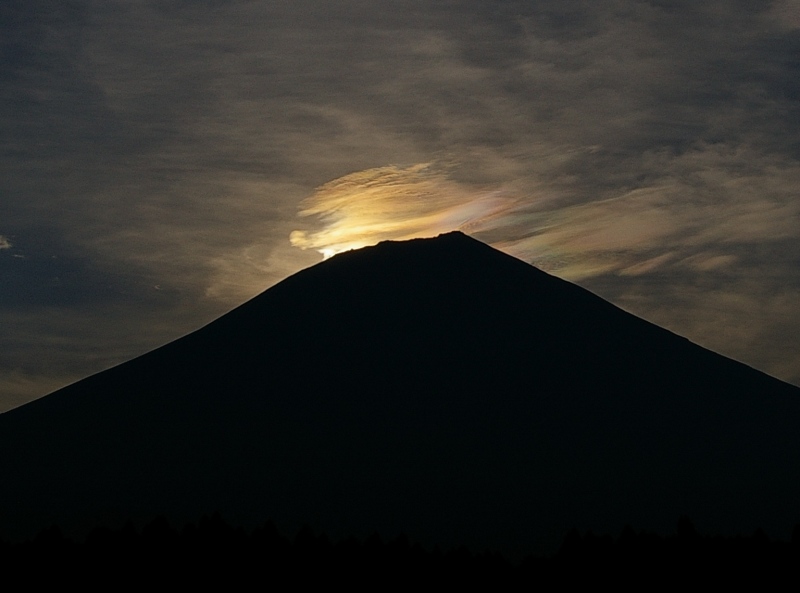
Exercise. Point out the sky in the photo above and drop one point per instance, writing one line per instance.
(164, 161)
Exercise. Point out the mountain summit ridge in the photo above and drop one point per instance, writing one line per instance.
(435, 387)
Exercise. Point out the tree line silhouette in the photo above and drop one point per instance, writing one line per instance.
(213, 553)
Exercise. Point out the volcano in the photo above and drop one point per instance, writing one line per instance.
(434, 387)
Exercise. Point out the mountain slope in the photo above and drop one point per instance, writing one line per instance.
(436, 387)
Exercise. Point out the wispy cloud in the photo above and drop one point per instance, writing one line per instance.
(707, 202)
(394, 203)
(785, 13)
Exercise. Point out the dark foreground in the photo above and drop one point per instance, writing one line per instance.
(212, 553)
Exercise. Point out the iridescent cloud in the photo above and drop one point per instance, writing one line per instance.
(637, 232)
(395, 203)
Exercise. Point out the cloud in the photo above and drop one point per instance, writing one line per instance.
(394, 203)
(19, 388)
(746, 314)
(596, 238)
(785, 13)
(708, 201)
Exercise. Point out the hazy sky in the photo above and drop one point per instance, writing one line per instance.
(163, 161)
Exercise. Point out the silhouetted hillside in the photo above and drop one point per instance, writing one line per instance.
(433, 387)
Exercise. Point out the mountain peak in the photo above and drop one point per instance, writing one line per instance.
(450, 241)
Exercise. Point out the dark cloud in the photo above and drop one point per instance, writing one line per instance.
(170, 143)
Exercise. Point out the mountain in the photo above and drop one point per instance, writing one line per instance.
(435, 387)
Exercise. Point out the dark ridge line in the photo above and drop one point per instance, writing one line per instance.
(213, 549)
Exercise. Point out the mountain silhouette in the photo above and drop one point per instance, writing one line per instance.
(435, 387)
